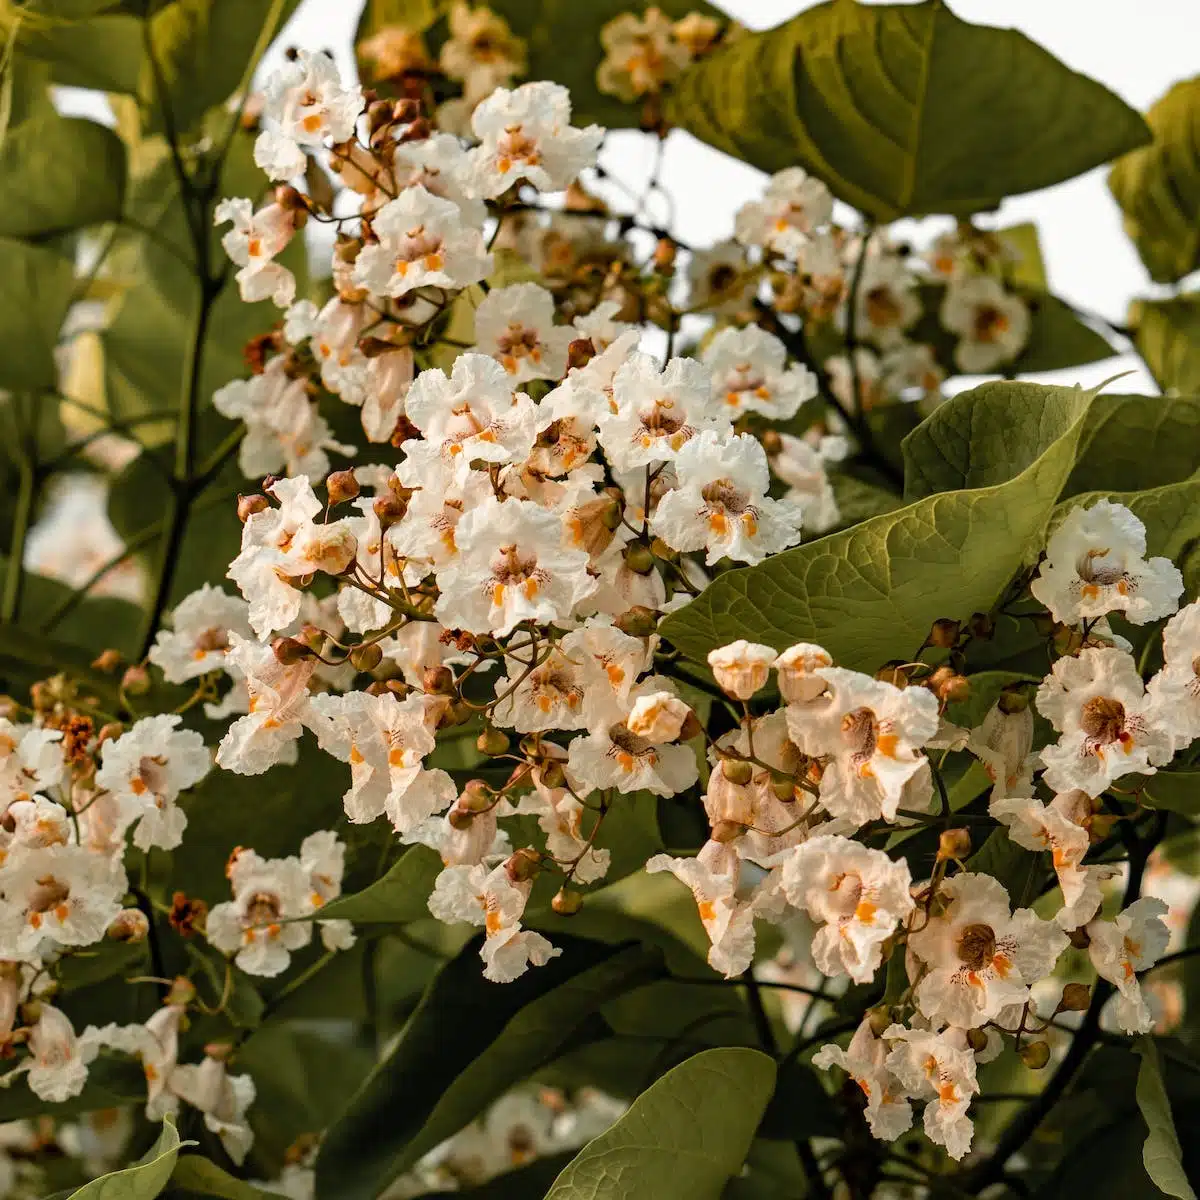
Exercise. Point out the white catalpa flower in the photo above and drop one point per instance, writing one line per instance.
(515, 325)
(908, 367)
(35, 823)
(720, 503)
(527, 134)
(1175, 691)
(615, 756)
(279, 708)
(482, 52)
(254, 926)
(857, 895)
(641, 55)
(1039, 827)
(253, 243)
(266, 564)
(1109, 727)
(1003, 743)
(992, 325)
(198, 640)
(796, 671)
(713, 878)
(511, 568)
(887, 299)
(284, 428)
(385, 741)
(888, 1111)
(742, 668)
(156, 1045)
(441, 166)
(222, 1098)
(978, 957)
(31, 760)
(868, 735)
(146, 769)
(560, 816)
(793, 206)
(749, 374)
(472, 414)
(803, 465)
(494, 900)
(304, 105)
(323, 860)
(656, 413)
(423, 242)
(931, 1067)
(57, 1066)
(1120, 948)
(57, 895)
(721, 281)
(857, 380)
(1096, 564)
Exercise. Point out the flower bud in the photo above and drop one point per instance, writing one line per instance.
(366, 657)
(726, 831)
(1035, 1055)
(1075, 998)
(981, 626)
(638, 621)
(660, 549)
(737, 771)
(135, 681)
(524, 865)
(188, 915)
(492, 742)
(341, 486)
(954, 845)
(247, 506)
(182, 991)
(109, 732)
(551, 775)
(565, 903)
(783, 789)
(289, 651)
(438, 681)
(580, 352)
(943, 633)
(771, 442)
(894, 673)
(658, 718)
(476, 796)
(878, 1018)
(129, 925)
(456, 712)
(460, 818)
(1080, 938)
(948, 685)
(405, 110)
(664, 255)
(639, 558)
(107, 661)
(977, 1039)
(390, 509)
(1012, 701)
(796, 668)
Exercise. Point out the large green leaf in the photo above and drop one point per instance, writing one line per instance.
(397, 897)
(904, 108)
(1162, 1154)
(145, 1179)
(986, 435)
(1175, 791)
(59, 173)
(870, 593)
(467, 1043)
(38, 283)
(103, 51)
(1158, 186)
(1167, 333)
(686, 1136)
(200, 1177)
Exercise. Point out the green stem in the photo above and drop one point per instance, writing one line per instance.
(27, 486)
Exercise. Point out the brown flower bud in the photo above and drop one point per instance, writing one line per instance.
(1035, 1055)
(948, 685)
(977, 1040)
(954, 845)
(580, 352)
(552, 775)
(109, 732)
(129, 925)
(737, 771)
(981, 626)
(943, 633)
(638, 621)
(524, 865)
(291, 200)
(341, 486)
(565, 903)
(1080, 938)
(247, 506)
(416, 130)
(639, 558)
(771, 442)
(492, 742)
(312, 636)
(726, 831)
(135, 681)
(288, 651)
(664, 255)
(1012, 701)
(438, 681)
(378, 688)
(459, 816)
(366, 658)
(893, 673)
(107, 661)
(1076, 997)
(389, 509)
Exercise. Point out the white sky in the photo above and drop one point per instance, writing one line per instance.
(1137, 50)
